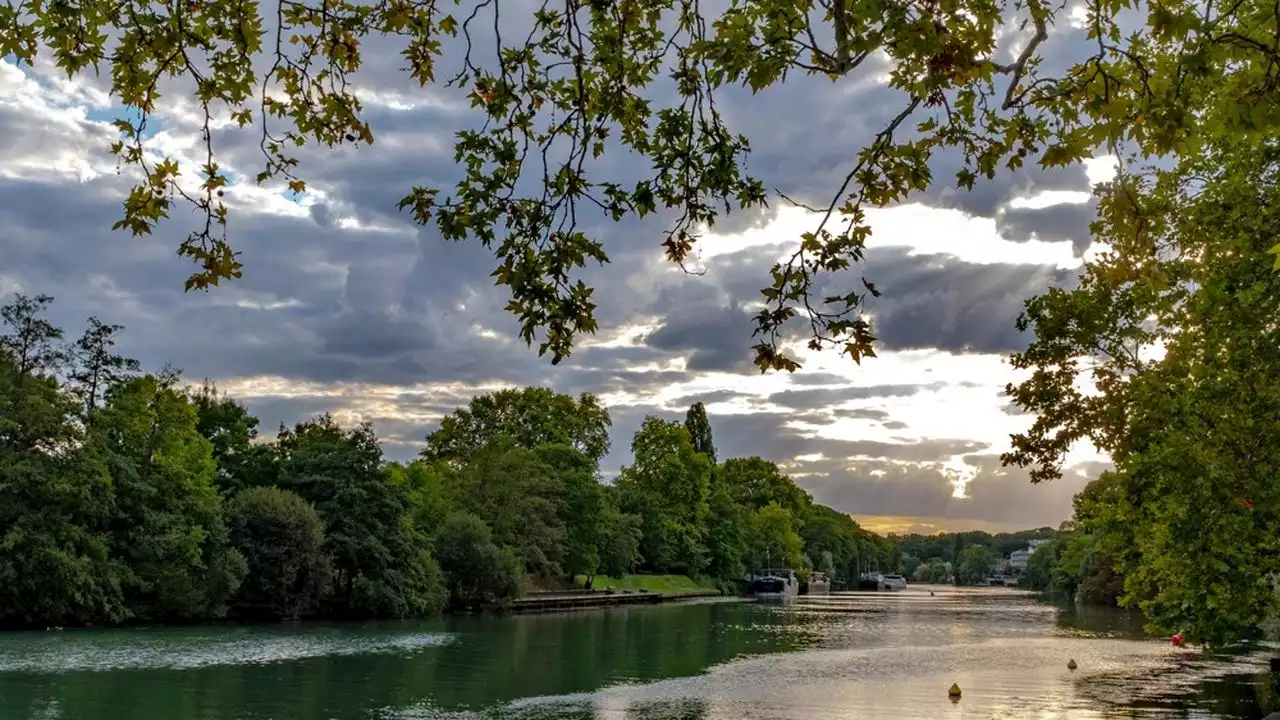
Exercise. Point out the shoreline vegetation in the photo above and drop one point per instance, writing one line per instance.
(129, 498)
(133, 498)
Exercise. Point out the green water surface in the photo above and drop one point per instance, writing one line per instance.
(859, 655)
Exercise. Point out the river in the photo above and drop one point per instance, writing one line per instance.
(860, 655)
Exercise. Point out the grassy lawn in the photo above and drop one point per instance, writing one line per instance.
(651, 583)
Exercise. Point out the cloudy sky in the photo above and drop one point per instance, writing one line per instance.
(347, 306)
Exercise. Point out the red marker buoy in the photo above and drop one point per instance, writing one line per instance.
(1177, 639)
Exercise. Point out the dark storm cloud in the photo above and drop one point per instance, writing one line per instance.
(877, 488)
(414, 147)
(1010, 408)
(1006, 494)
(768, 436)
(715, 339)
(927, 301)
(596, 357)
(989, 195)
(826, 397)
(617, 380)
(941, 302)
(1067, 222)
(314, 305)
(272, 411)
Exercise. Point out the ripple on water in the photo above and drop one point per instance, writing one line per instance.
(96, 651)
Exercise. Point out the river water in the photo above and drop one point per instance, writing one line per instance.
(858, 655)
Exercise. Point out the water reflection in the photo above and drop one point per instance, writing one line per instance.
(895, 655)
(842, 656)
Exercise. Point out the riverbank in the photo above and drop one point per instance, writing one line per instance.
(670, 584)
(608, 591)
(583, 599)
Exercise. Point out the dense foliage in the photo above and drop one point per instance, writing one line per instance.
(945, 546)
(973, 565)
(1170, 362)
(934, 571)
(126, 498)
(964, 558)
(282, 539)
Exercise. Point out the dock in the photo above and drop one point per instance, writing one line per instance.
(559, 601)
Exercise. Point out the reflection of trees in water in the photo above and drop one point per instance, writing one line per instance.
(1102, 620)
(1265, 687)
(1183, 690)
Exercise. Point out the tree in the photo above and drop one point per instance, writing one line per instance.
(933, 572)
(668, 486)
(95, 367)
(232, 432)
(427, 486)
(774, 540)
(620, 536)
(520, 498)
(282, 540)
(909, 565)
(32, 341)
(56, 564)
(974, 566)
(727, 529)
(829, 533)
(957, 549)
(755, 482)
(380, 562)
(530, 417)
(477, 573)
(168, 525)
(582, 507)
(1138, 90)
(699, 427)
(1180, 348)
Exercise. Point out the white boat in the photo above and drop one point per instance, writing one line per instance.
(775, 584)
(891, 582)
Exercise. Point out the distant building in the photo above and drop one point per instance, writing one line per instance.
(1018, 559)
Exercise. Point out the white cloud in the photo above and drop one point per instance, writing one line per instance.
(925, 230)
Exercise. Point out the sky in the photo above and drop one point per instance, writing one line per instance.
(347, 306)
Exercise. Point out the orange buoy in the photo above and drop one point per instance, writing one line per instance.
(1177, 639)
(954, 691)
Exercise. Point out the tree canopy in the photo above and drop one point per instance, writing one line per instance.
(530, 417)
(561, 90)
